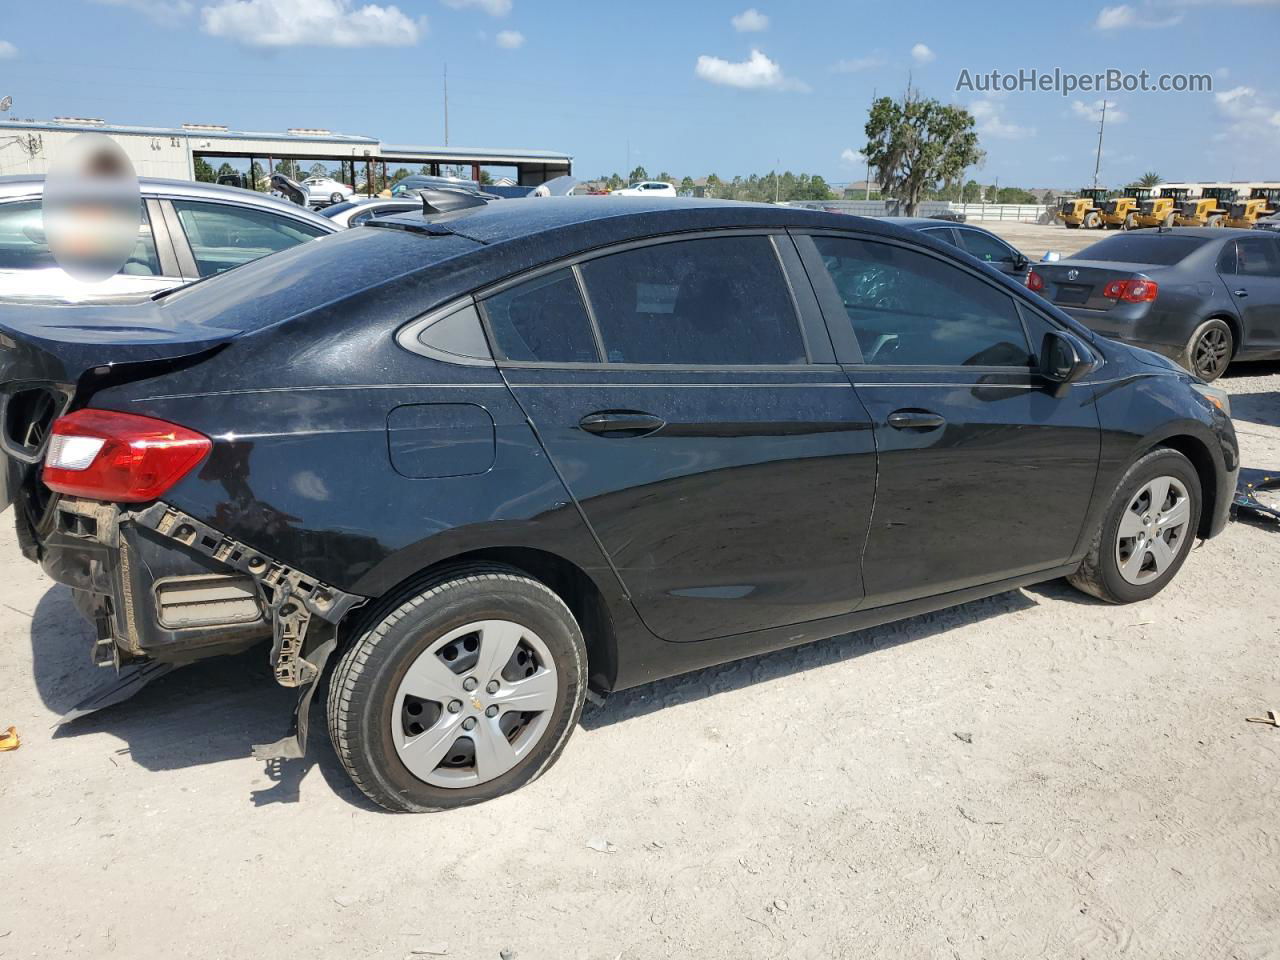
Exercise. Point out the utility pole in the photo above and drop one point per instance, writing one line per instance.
(446, 104)
(1097, 163)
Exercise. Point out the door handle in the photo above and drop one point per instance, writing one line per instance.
(628, 423)
(915, 420)
(1242, 292)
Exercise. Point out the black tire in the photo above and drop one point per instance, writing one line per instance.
(1099, 574)
(335, 197)
(1209, 350)
(364, 685)
(1072, 226)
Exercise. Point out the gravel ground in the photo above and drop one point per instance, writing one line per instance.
(1032, 775)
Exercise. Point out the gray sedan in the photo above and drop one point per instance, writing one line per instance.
(187, 230)
(975, 241)
(1199, 295)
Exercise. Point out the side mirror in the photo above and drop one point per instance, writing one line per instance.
(1063, 360)
(1020, 262)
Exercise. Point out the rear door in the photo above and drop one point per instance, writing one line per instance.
(983, 474)
(1255, 290)
(687, 393)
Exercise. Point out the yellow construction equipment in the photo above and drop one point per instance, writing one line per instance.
(1262, 202)
(1210, 209)
(1121, 213)
(1084, 209)
(1160, 209)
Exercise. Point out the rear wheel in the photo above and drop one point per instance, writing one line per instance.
(335, 197)
(466, 691)
(1209, 350)
(1146, 532)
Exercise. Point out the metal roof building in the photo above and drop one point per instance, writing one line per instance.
(28, 146)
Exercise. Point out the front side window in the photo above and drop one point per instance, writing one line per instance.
(543, 321)
(23, 245)
(713, 301)
(223, 236)
(985, 248)
(911, 308)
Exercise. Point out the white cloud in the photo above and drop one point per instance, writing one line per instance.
(7, 50)
(858, 64)
(162, 11)
(991, 122)
(310, 23)
(1117, 18)
(510, 39)
(757, 72)
(1093, 111)
(852, 158)
(922, 54)
(750, 21)
(495, 8)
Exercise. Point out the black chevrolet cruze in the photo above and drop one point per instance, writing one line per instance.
(482, 463)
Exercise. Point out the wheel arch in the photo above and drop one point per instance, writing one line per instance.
(1197, 451)
(570, 582)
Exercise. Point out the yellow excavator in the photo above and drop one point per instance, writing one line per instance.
(1121, 213)
(1262, 202)
(1160, 209)
(1084, 209)
(1210, 209)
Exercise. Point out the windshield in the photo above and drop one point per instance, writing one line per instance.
(1155, 248)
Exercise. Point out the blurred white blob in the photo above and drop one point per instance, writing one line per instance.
(91, 207)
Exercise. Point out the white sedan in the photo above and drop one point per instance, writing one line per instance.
(646, 188)
(326, 190)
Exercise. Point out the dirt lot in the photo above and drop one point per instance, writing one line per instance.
(1034, 239)
(1033, 775)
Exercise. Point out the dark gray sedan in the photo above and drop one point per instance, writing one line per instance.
(975, 241)
(1199, 295)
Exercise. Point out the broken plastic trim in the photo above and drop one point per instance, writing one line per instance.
(1250, 482)
(293, 599)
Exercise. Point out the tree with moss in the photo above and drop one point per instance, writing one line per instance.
(914, 144)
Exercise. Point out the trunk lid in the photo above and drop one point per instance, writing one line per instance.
(1079, 283)
(53, 357)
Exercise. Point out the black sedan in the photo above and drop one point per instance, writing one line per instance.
(973, 240)
(1202, 296)
(491, 460)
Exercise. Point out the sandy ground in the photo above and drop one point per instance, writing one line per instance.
(1033, 239)
(1033, 775)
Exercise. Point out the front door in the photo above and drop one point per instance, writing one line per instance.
(984, 474)
(687, 394)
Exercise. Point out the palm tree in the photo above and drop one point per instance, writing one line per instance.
(1150, 179)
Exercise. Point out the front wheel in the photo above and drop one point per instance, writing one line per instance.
(1092, 221)
(466, 691)
(1209, 350)
(1146, 532)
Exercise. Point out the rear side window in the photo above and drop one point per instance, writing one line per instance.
(1157, 249)
(543, 321)
(985, 248)
(910, 308)
(713, 301)
(1257, 257)
(223, 236)
(23, 245)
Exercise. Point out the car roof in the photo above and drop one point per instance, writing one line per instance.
(919, 223)
(26, 185)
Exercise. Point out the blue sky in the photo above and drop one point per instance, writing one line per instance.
(692, 88)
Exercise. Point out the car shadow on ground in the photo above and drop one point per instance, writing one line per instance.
(691, 687)
(206, 712)
(216, 709)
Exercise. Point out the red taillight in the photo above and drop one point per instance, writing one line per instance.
(119, 457)
(1132, 289)
(1035, 282)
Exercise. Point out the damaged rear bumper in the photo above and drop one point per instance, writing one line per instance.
(161, 585)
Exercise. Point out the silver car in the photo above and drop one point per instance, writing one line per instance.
(188, 230)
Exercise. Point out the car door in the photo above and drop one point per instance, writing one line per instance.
(1254, 283)
(687, 393)
(984, 474)
(993, 250)
(220, 236)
